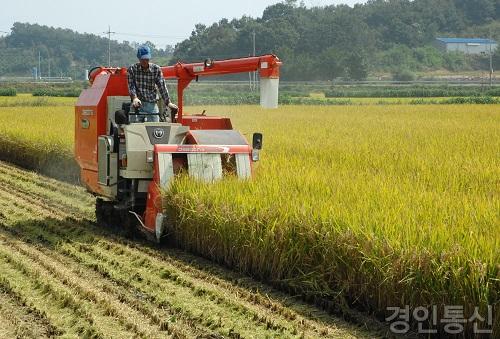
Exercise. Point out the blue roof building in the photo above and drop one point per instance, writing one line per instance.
(466, 45)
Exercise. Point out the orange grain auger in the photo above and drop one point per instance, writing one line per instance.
(125, 163)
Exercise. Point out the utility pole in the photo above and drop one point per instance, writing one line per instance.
(491, 62)
(254, 73)
(49, 67)
(39, 66)
(109, 44)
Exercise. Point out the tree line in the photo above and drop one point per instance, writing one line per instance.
(318, 43)
(63, 51)
(341, 41)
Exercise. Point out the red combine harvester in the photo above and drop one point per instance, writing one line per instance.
(125, 163)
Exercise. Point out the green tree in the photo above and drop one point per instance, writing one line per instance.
(356, 67)
(478, 11)
(455, 61)
(317, 43)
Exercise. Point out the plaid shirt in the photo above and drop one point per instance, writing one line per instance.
(143, 83)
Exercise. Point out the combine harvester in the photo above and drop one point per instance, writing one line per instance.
(125, 163)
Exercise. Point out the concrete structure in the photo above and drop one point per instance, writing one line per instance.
(466, 45)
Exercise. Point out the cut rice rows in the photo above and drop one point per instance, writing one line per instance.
(62, 276)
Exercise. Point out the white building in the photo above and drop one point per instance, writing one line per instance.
(466, 45)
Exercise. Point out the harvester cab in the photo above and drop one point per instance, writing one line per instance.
(125, 160)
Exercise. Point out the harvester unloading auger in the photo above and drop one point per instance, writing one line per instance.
(126, 163)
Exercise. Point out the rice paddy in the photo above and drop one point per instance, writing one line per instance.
(363, 207)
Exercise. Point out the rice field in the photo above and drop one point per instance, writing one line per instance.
(39, 138)
(375, 207)
(27, 100)
(363, 207)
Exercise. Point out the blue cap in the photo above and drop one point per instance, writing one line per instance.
(143, 52)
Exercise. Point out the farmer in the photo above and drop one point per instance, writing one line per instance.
(145, 79)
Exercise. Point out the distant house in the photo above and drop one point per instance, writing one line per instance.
(466, 45)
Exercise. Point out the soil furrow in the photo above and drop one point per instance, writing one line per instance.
(157, 313)
(227, 295)
(53, 199)
(102, 321)
(112, 307)
(211, 308)
(19, 320)
(61, 308)
(47, 183)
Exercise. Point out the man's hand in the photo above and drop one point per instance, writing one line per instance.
(136, 102)
(173, 106)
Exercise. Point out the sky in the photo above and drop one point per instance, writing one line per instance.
(162, 22)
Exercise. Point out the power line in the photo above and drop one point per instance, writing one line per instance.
(146, 36)
(39, 65)
(153, 36)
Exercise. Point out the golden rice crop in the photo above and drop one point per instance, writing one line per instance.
(382, 206)
(375, 205)
(39, 138)
(29, 100)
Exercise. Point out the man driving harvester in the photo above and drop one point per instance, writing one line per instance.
(144, 79)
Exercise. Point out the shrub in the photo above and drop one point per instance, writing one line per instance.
(8, 92)
(404, 75)
(51, 92)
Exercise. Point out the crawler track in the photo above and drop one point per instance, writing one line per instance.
(63, 276)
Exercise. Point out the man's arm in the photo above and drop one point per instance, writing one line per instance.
(162, 86)
(132, 90)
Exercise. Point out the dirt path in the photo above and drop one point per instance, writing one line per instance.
(63, 276)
